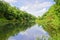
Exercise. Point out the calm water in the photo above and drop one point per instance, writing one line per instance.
(33, 33)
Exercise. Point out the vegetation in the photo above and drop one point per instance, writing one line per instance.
(13, 20)
(51, 21)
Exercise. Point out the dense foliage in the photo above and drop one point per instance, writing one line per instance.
(13, 13)
(13, 20)
(51, 21)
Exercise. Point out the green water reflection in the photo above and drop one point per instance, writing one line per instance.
(10, 29)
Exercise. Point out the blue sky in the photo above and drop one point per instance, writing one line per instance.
(34, 7)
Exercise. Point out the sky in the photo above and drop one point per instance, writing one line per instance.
(34, 7)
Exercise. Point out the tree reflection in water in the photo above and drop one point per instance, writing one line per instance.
(10, 29)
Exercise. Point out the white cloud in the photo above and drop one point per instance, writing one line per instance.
(41, 12)
(10, 1)
(36, 8)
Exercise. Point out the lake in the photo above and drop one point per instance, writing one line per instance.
(23, 31)
(35, 32)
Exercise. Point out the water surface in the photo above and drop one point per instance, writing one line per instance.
(33, 33)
